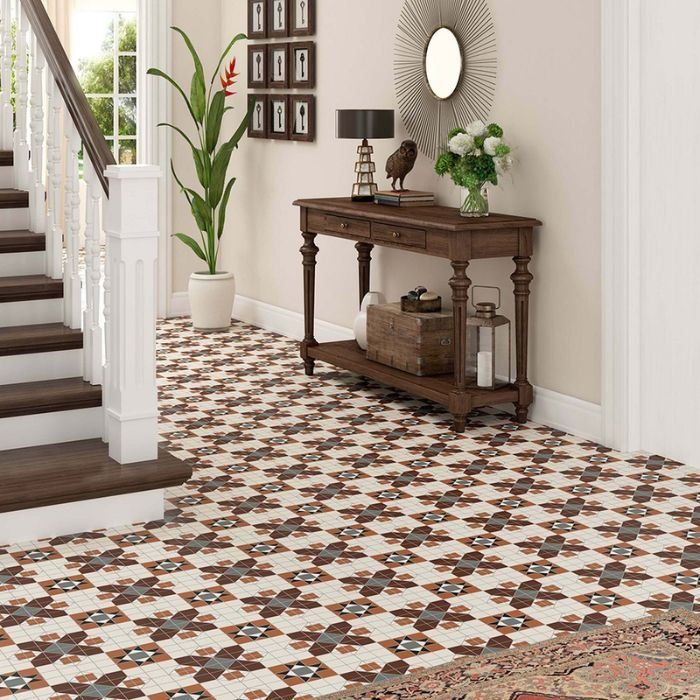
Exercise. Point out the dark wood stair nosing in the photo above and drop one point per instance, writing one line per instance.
(13, 199)
(7, 159)
(32, 340)
(29, 288)
(22, 242)
(37, 477)
(51, 396)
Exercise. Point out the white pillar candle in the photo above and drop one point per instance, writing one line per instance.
(485, 370)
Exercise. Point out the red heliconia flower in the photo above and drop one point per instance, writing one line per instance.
(228, 79)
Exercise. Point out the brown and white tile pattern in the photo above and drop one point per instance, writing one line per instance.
(337, 532)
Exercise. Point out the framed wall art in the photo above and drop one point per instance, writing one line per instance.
(257, 67)
(303, 18)
(278, 117)
(257, 128)
(303, 116)
(303, 65)
(257, 19)
(278, 66)
(278, 18)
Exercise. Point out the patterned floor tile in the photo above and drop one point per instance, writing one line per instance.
(336, 532)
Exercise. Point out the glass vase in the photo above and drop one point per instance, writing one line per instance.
(476, 201)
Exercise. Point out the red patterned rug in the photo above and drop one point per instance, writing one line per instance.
(655, 658)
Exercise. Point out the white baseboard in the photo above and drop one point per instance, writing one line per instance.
(25, 526)
(572, 415)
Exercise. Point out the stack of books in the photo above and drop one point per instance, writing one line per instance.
(409, 198)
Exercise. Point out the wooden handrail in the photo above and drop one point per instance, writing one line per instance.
(94, 143)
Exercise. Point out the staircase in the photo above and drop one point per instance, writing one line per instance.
(78, 402)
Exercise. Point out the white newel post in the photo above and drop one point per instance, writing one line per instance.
(6, 116)
(131, 227)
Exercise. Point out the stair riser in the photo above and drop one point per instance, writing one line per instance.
(30, 313)
(51, 428)
(16, 369)
(14, 219)
(7, 177)
(18, 264)
(26, 526)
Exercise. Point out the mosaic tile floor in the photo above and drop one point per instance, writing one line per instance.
(336, 532)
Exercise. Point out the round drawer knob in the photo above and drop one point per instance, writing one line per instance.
(343, 226)
(395, 234)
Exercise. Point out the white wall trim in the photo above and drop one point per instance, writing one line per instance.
(559, 411)
(155, 147)
(621, 235)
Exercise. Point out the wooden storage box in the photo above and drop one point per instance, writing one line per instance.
(420, 344)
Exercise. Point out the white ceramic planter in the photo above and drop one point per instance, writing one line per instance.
(211, 300)
(360, 326)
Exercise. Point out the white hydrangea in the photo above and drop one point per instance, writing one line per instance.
(461, 144)
(476, 129)
(503, 164)
(491, 144)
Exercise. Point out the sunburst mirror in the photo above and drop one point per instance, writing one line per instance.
(445, 67)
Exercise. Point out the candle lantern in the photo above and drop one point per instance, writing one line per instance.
(493, 338)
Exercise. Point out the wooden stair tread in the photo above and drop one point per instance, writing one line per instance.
(29, 288)
(13, 199)
(21, 242)
(48, 337)
(35, 477)
(6, 158)
(48, 397)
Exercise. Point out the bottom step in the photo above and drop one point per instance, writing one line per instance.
(79, 471)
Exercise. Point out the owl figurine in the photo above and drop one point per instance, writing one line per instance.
(401, 163)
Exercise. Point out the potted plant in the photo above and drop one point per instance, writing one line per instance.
(474, 157)
(212, 292)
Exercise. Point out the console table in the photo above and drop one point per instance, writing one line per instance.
(440, 232)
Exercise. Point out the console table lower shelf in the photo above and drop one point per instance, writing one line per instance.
(347, 355)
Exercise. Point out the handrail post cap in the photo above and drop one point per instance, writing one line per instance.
(133, 172)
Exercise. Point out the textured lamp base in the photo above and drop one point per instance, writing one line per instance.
(364, 188)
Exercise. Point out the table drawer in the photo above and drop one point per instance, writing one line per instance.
(338, 224)
(401, 235)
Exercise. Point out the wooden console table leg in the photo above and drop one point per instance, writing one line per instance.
(460, 402)
(522, 278)
(309, 252)
(364, 258)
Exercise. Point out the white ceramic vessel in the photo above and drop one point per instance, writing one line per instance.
(360, 325)
(211, 300)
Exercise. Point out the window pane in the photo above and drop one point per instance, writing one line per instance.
(127, 116)
(127, 75)
(127, 152)
(127, 32)
(94, 50)
(103, 109)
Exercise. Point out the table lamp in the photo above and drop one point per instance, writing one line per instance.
(365, 124)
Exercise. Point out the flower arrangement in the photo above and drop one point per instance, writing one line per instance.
(474, 157)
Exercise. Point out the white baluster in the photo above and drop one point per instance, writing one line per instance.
(131, 225)
(21, 136)
(71, 274)
(54, 229)
(37, 194)
(92, 333)
(6, 115)
(107, 313)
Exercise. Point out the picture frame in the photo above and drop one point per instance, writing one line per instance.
(258, 126)
(257, 19)
(302, 65)
(302, 17)
(257, 66)
(278, 117)
(278, 66)
(303, 118)
(277, 18)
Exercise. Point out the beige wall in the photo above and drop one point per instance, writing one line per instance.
(548, 100)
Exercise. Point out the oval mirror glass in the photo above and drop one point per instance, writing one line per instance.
(443, 63)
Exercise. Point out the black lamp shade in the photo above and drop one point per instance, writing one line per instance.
(365, 124)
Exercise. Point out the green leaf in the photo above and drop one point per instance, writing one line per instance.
(218, 175)
(224, 206)
(198, 98)
(200, 166)
(191, 243)
(160, 74)
(179, 182)
(234, 41)
(201, 212)
(216, 115)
